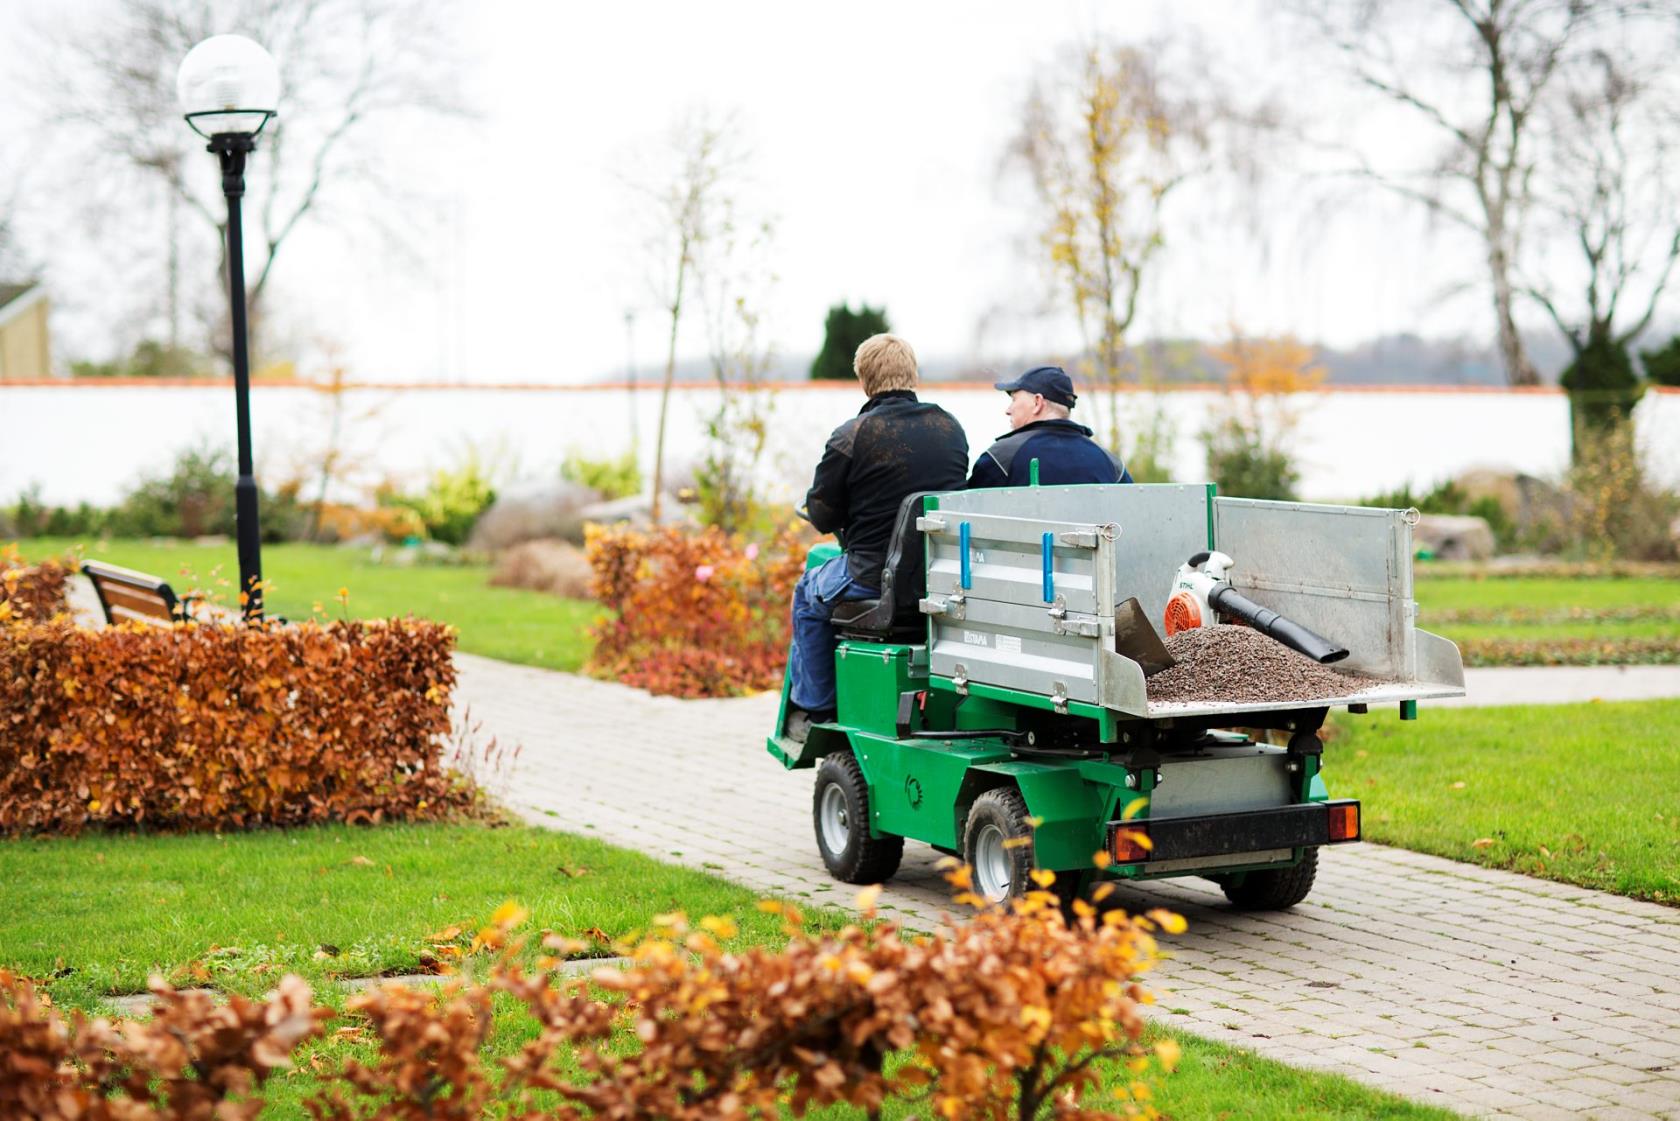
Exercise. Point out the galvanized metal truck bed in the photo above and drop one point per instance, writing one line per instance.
(1023, 584)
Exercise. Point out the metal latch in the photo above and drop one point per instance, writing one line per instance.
(1059, 624)
(931, 525)
(1077, 539)
(959, 679)
(1059, 696)
(952, 606)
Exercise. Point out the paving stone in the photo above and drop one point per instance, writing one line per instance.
(1473, 962)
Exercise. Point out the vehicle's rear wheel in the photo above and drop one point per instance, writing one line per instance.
(1275, 889)
(997, 818)
(840, 813)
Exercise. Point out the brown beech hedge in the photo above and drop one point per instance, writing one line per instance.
(210, 727)
(1009, 1016)
(31, 592)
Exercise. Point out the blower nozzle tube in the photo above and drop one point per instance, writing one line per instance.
(1268, 622)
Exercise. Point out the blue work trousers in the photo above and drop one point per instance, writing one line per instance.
(811, 659)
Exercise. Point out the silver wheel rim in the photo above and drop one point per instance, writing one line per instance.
(832, 818)
(992, 871)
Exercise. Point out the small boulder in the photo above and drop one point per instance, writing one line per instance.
(549, 565)
(530, 513)
(1454, 536)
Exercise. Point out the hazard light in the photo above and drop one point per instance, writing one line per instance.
(1130, 843)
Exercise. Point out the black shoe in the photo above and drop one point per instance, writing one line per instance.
(799, 722)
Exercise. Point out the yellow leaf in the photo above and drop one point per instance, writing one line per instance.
(719, 926)
(1017, 842)
(93, 806)
(1035, 1015)
(770, 906)
(1043, 877)
(1483, 842)
(1171, 922)
(961, 877)
(509, 914)
(1458, 786)
(1169, 1052)
(1133, 808)
(867, 898)
(1101, 859)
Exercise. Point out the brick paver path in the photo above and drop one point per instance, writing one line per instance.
(1482, 991)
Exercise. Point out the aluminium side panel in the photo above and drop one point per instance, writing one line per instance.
(1157, 528)
(1342, 571)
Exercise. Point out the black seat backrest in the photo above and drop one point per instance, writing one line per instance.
(903, 582)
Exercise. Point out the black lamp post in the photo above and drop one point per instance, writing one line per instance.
(228, 86)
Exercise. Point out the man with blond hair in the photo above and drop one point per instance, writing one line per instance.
(896, 445)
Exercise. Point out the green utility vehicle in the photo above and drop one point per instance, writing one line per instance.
(986, 706)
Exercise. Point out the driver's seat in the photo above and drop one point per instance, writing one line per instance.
(894, 616)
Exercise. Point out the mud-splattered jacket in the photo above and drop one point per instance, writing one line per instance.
(895, 445)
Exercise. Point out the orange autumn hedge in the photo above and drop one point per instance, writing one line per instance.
(694, 613)
(31, 592)
(210, 727)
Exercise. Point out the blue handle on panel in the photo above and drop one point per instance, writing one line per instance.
(967, 564)
(1049, 568)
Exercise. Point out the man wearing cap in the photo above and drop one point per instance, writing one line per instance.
(1039, 403)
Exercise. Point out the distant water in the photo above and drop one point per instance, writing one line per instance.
(89, 442)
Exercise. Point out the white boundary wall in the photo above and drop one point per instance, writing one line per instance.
(89, 441)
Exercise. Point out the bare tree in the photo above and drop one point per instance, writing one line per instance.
(1611, 198)
(690, 205)
(1608, 207)
(1477, 74)
(1104, 148)
(733, 294)
(350, 69)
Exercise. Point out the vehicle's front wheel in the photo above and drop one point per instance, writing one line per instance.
(993, 845)
(1276, 889)
(840, 812)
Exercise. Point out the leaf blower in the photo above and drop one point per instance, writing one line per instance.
(1200, 590)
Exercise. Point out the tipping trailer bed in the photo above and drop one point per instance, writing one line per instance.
(1026, 604)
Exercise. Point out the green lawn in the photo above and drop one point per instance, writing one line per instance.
(1584, 794)
(242, 907)
(507, 623)
(1588, 620)
(93, 916)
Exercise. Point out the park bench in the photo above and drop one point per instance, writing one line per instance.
(127, 595)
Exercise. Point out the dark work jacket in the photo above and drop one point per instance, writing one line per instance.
(894, 446)
(1065, 453)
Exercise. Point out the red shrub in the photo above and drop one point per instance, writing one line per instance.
(696, 613)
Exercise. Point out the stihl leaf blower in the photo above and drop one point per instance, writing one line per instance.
(1200, 590)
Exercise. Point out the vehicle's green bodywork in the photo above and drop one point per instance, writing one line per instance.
(922, 788)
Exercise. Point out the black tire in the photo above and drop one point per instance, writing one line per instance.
(1277, 889)
(1000, 873)
(851, 855)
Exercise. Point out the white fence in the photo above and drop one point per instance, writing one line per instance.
(89, 441)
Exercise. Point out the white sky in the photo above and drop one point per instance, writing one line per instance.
(877, 131)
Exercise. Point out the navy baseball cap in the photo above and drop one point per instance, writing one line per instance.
(1050, 382)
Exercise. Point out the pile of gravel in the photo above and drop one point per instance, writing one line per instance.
(1239, 665)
